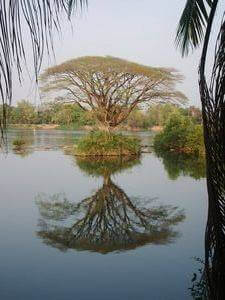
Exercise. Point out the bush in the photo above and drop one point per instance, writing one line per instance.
(195, 141)
(107, 144)
(180, 134)
(19, 143)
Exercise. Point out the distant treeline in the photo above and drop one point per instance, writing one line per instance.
(72, 116)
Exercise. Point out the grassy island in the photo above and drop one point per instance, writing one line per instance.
(100, 143)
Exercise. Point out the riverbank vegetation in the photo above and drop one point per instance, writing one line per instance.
(182, 130)
(180, 134)
(71, 116)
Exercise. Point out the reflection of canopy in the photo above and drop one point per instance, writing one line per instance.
(23, 152)
(107, 166)
(180, 164)
(106, 221)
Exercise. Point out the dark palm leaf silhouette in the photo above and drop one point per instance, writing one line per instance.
(20, 19)
(192, 25)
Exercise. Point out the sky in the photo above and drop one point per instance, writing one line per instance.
(142, 31)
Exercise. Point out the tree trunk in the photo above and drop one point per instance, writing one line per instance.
(106, 128)
(213, 112)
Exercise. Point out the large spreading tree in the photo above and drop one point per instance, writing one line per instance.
(111, 87)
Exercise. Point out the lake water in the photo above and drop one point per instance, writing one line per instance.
(74, 229)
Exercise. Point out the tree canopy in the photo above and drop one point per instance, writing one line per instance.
(111, 87)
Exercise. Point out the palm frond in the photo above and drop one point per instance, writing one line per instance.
(19, 19)
(73, 5)
(191, 27)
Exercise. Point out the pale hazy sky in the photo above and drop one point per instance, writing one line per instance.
(142, 31)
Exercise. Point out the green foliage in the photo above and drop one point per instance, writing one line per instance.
(191, 27)
(23, 113)
(180, 134)
(158, 115)
(68, 114)
(138, 119)
(195, 140)
(71, 116)
(22, 143)
(199, 289)
(19, 142)
(174, 134)
(100, 143)
(65, 115)
(177, 164)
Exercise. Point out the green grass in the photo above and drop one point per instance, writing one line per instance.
(100, 143)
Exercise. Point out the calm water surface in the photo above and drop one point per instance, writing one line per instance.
(73, 229)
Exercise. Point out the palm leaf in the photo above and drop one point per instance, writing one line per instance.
(18, 20)
(191, 27)
(73, 4)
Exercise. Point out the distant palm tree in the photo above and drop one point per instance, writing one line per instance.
(22, 21)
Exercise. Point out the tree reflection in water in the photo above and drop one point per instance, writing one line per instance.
(180, 164)
(24, 152)
(108, 220)
(208, 284)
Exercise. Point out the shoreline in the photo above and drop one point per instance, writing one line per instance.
(83, 128)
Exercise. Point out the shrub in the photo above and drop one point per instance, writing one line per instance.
(195, 141)
(19, 143)
(100, 143)
(180, 134)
